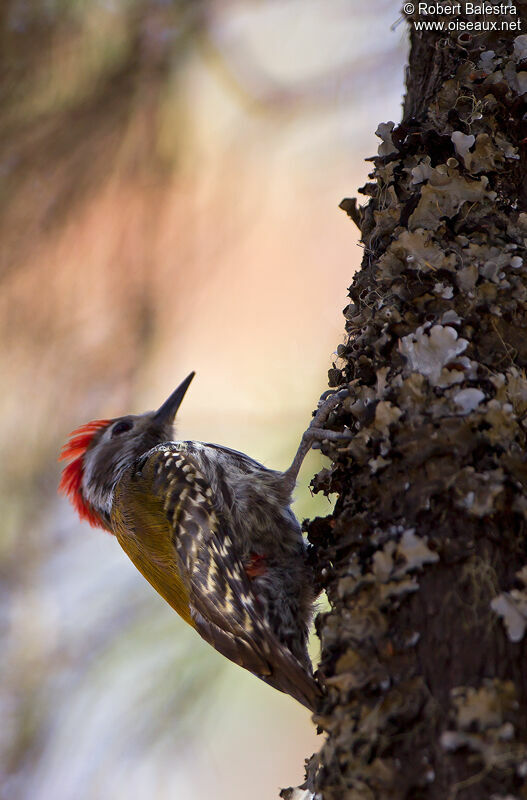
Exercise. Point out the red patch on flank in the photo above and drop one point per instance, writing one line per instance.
(71, 480)
(256, 566)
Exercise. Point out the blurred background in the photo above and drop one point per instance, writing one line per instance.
(170, 174)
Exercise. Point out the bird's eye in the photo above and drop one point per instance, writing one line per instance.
(122, 426)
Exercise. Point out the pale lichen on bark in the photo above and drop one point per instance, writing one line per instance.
(424, 554)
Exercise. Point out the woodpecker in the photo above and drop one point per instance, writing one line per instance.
(212, 531)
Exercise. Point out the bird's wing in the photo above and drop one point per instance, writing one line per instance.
(180, 540)
(242, 460)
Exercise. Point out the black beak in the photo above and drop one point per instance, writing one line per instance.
(168, 410)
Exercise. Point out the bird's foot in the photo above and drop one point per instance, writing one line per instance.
(316, 433)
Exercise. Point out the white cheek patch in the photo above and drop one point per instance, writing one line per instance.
(98, 487)
(96, 493)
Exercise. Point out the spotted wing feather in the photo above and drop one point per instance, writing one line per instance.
(223, 606)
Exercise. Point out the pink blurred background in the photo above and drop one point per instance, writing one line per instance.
(171, 174)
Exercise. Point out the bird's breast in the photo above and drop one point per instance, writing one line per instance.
(144, 533)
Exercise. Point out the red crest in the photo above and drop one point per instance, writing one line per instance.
(71, 480)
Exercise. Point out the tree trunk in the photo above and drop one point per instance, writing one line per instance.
(424, 558)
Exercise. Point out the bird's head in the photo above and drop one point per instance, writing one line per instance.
(101, 450)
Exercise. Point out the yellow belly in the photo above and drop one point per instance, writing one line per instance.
(144, 533)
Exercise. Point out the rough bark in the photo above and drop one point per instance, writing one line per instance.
(424, 558)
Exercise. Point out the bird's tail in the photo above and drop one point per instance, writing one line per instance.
(290, 676)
